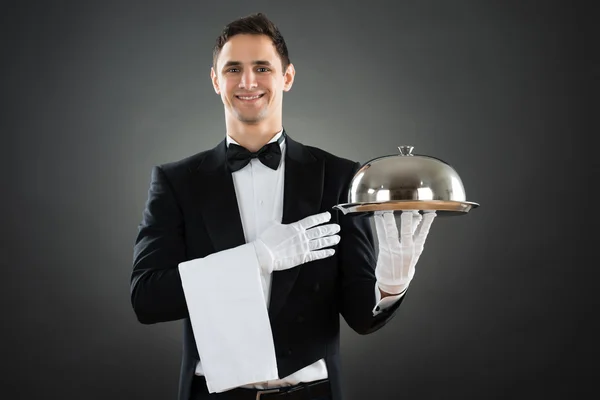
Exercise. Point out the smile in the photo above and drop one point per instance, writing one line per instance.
(249, 98)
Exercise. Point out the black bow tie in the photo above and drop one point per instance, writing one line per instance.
(270, 155)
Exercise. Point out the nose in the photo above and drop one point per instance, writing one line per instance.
(248, 80)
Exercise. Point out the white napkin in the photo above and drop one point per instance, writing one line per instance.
(229, 318)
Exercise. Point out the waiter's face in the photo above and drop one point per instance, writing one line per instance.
(250, 79)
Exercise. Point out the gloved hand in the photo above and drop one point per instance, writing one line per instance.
(398, 255)
(284, 246)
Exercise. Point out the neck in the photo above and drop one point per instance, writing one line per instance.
(255, 136)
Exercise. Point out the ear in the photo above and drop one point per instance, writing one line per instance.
(215, 80)
(288, 78)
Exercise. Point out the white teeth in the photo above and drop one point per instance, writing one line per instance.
(249, 97)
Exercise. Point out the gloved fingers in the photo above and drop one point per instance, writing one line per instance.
(318, 255)
(313, 220)
(417, 218)
(391, 229)
(406, 228)
(324, 242)
(383, 212)
(379, 226)
(323, 230)
(424, 228)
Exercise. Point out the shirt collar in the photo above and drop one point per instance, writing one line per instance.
(273, 139)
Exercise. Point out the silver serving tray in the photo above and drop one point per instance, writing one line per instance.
(441, 207)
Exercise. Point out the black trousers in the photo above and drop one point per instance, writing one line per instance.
(200, 392)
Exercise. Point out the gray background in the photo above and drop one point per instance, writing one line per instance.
(96, 93)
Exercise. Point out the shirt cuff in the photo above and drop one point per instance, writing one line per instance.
(382, 304)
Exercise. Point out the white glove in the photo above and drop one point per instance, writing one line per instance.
(398, 255)
(284, 246)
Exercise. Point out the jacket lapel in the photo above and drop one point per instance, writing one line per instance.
(220, 210)
(302, 193)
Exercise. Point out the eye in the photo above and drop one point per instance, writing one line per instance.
(232, 70)
(263, 69)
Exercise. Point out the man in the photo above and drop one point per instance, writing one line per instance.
(242, 244)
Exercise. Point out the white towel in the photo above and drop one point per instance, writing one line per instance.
(229, 318)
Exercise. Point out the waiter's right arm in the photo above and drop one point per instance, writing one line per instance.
(156, 291)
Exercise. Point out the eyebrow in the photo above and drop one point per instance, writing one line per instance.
(238, 63)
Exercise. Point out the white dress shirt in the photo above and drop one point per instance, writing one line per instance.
(259, 192)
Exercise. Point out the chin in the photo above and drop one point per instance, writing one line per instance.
(250, 119)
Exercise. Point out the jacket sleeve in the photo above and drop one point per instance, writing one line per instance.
(156, 291)
(357, 258)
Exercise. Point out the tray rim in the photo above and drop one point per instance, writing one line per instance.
(436, 205)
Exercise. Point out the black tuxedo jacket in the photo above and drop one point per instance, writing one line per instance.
(192, 212)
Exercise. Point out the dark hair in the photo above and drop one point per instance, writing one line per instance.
(254, 24)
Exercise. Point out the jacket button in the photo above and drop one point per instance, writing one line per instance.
(316, 287)
(289, 352)
(300, 319)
